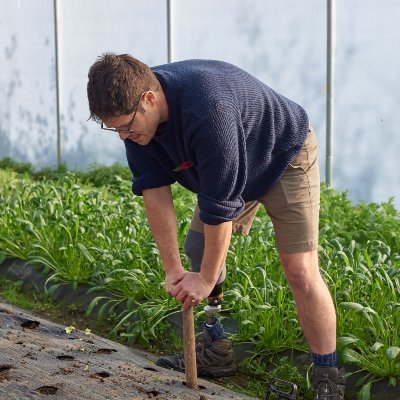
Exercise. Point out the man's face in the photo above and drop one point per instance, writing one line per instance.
(139, 126)
(141, 130)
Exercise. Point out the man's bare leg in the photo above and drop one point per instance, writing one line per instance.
(314, 303)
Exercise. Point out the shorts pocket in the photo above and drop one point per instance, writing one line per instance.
(308, 156)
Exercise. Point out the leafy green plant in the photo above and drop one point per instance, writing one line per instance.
(375, 348)
(20, 167)
(100, 236)
(361, 222)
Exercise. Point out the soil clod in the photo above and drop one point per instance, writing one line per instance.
(105, 351)
(65, 357)
(150, 369)
(29, 324)
(4, 369)
(49, 390)
(101, 375)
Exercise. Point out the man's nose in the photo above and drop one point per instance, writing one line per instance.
(123, 135)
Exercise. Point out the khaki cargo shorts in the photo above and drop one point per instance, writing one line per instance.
(292, 204)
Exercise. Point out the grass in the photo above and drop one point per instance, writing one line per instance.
(13, 293)
(42, 305)
(98, 234)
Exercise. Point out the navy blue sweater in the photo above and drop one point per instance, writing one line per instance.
(235, 135)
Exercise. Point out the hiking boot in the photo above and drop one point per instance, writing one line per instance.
(214, 359)
(328, 383)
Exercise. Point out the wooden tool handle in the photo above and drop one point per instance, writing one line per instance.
(189, 349)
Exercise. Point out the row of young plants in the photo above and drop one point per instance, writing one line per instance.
(98, 235)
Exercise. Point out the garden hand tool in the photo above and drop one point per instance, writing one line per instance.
(189, 349)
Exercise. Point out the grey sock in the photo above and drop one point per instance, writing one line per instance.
(194, 249)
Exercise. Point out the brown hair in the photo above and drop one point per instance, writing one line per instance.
(115, 85)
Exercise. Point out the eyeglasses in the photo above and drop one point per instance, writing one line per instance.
(128, 128)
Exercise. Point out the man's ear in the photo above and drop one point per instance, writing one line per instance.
(149, 97)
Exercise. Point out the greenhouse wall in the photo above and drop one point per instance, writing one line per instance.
(282, 42)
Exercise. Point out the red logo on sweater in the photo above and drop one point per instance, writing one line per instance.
(183, 166)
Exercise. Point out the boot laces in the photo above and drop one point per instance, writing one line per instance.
(327, 388)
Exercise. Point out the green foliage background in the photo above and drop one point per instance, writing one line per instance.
(87, 227)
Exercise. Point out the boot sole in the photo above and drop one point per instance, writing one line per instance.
(216, 372)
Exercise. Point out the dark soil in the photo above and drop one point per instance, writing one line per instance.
(39, 358)
(72, 313)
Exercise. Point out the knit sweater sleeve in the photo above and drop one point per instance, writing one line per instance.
(146, 172)
(220, 152)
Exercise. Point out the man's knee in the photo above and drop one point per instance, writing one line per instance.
(301, 269)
